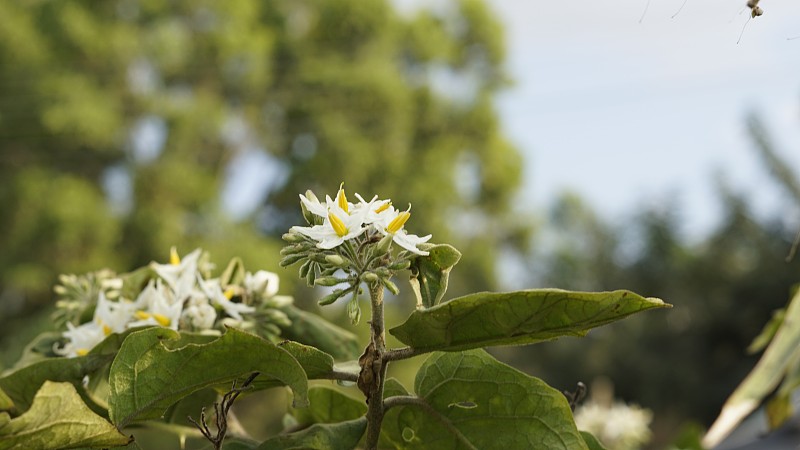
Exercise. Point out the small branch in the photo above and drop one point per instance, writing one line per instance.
(221, 410)
(408, 400)
(397, 354)
(340, 375)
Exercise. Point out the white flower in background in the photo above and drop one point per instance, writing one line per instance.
(179, 274)
(154, 307)
(391, 222)
(113, 317)
(618, 426)
(261, 284)
(81, 339)
(223, 299)
(198, 314)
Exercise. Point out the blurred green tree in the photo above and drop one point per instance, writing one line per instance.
(129, 126)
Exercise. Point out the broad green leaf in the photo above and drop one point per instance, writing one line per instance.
(21, 386)
(392, 387)
(781, 354)
(430, 273)
(58, 418)
(481, 403)
(311, 329)
(591, 441)
(515, 318)
(147, 377)
(39, 349)
(327, 405)
(763, 339)
(336, 436)
(190, 405)
(316, 363)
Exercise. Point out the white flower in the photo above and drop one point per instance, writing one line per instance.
(314, 206)
(338, 227)
(392, 221)
(155, 308)
(618, 425)
(373, 210)
(199, 316)
(262, 284)
(214, 292)
(179, 274)
(113, 317)
(81, 339)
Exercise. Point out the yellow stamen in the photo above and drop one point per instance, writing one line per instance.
(341, 199)
(81, 351)
(163, 320)
(397, 223)
(228, 293)
(174, 259)
(141, 315)
(383, 207)
(106, 329)
(337, 224)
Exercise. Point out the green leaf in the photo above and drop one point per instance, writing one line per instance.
(6, 404)
(311, 329)
(392, 387)
(781, 354)
(337, 436)
(430, 274)
(503, 408)
(21, 386)
(591, 441)
(328, 405)
(147, 377)
(316, 363)
(58, 418)
(39, 349)
(514, 318)
(763, 339)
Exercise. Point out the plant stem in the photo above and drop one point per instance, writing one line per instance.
(374, 370)
(396, 354)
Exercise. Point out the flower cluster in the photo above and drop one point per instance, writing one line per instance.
(617, 425)
(178, 295)
(354, 238)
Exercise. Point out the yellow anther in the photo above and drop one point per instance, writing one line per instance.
(106, 329)
(162, 319)
(174, 259)
(337, 224)
(81, 351)
(141, 315)
(397, 223)
(228, 293)
(383, 207)
(341, 199)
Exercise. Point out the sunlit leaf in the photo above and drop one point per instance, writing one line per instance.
(58, 418)
(514, 318)
(430, 273)
(336, 436)
(147, 377)
(507, 409)
(316, 363)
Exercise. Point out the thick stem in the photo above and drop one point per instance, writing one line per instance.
(374, 354)
(396, 354)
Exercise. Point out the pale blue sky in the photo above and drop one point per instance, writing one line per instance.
(628, 113)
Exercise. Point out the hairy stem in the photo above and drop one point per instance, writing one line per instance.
(375, 367)
(408, 400)
(396, 354)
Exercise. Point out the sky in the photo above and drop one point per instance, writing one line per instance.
(629, 106)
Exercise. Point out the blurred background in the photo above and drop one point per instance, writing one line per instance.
(578, 144)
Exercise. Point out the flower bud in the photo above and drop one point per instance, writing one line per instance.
(294, 248)
(401, 265)
(308, 215)
(354, 311)
(383, 245)
(332, 297)
(370, 277)
(391, 286)
(291, 259)
(328, 281)
(292, 237)
(337, 260)
(383, 272)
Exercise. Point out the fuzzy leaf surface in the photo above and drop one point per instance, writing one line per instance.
(147, 376)
(58, 418)
(515, 318)
(482, 404)
(334, 436)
